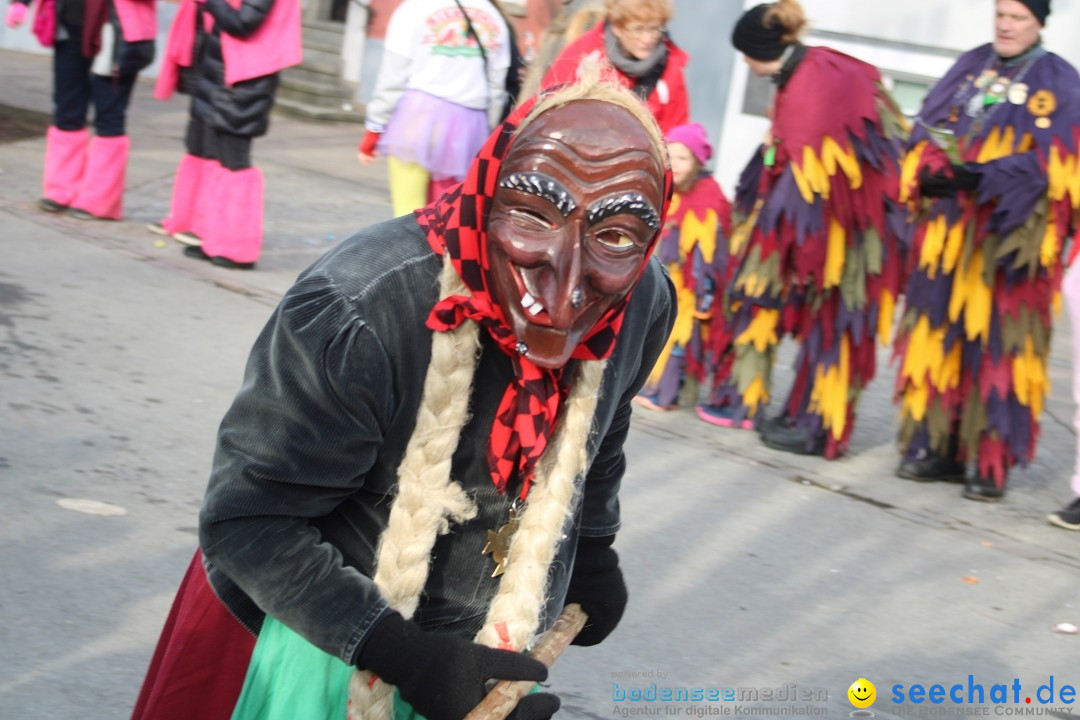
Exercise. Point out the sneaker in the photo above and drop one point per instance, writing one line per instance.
(1069, 518)
(649, 402)
(187, 238)
(184, 238)
(724, 416)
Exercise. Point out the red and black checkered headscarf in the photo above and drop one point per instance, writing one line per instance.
(456, 223)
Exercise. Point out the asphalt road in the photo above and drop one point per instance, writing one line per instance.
(748, 569)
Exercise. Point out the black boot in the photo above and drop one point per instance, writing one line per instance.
(983, 489)
(773, 422)
(792, 438)
(933, 467)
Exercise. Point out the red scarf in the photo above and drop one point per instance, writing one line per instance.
(456, 223)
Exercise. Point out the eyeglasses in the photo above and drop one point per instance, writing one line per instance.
(644, 30)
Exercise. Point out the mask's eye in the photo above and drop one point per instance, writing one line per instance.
(614, 239)
(528, 217)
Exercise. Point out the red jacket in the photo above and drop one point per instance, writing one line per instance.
(669, 102)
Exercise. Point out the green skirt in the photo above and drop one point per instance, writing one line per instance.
(291, 679)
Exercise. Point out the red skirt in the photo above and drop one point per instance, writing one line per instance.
(201, 660)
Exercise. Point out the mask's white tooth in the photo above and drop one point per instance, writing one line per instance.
(527, 282)
(536, 309)
(527, 300)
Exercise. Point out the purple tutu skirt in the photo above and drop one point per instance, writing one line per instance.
(436, 134)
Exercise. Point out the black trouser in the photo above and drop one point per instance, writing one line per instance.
(232, 151)
(75, 88)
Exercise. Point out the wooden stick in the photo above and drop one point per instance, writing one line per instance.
(504, 697)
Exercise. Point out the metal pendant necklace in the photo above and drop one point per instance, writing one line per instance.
(498, 541)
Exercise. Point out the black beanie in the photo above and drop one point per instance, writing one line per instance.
(1039, 8)
(753, 39)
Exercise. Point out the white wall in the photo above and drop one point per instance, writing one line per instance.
(953, 24)
(909, 37)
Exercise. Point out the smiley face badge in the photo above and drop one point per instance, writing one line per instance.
(862, 695)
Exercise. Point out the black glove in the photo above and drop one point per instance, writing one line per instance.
(597, 585)
(443, 676)
(939, 184)
(945, 183)
(965, 178)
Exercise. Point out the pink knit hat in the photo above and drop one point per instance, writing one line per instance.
(693, 136)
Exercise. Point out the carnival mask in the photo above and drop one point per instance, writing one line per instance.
(572, 221)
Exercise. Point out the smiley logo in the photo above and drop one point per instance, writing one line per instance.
(862, 693)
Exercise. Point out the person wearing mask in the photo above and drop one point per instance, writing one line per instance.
(991, 173)
(99, 47)
(820, 238)
(227, 55)
(634, 40)
(694, 249)
(422, 465)
(441, 87)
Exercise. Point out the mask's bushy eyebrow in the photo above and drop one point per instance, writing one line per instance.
(632, 202)
(542, 186)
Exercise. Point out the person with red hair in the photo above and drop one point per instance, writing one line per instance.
(634, 40)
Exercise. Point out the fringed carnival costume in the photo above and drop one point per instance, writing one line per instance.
(818, 234)
(986, 263)
(694, 248)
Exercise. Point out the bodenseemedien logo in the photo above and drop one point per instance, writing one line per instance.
(862, 695)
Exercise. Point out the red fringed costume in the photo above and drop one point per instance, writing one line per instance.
(820, 239)
(694, 248)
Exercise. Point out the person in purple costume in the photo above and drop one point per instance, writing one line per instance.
(991, 175)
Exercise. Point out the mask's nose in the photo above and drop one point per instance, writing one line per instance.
(564, 294)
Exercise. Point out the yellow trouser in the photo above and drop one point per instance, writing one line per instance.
(408, 185)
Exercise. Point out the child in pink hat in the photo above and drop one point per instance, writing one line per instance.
(694, 247)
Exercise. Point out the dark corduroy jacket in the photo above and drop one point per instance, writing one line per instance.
(307, 456)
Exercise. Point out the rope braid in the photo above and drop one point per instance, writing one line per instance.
(515, 611)
(427, 499)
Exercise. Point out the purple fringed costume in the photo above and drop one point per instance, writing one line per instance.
(987, 263)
